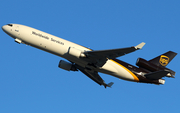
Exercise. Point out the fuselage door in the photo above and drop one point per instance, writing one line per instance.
(17, 30)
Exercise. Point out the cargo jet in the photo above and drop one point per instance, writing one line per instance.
(91, 62)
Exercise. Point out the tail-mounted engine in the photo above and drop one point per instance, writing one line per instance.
(142, 63)
(67, 66)
(147, 65)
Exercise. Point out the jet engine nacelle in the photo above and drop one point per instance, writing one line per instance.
(76, 52)
(147, 65)
(66, 66)
(142, 63)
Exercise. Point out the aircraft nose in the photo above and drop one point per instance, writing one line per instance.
(4, 28)
(7, 28)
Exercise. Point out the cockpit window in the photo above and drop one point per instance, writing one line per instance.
(10, 25)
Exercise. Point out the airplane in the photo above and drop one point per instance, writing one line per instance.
(92, 62)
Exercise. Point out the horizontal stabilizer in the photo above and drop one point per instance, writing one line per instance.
(156, 75)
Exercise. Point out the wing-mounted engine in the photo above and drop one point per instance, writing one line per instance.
(67, 66)
(76, 52)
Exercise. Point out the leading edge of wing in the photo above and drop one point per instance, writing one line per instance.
(113, 53)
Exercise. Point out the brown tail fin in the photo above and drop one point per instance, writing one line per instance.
(164, 59)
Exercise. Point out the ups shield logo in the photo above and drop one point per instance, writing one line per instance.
(164, 60)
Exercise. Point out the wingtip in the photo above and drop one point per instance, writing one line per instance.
(140, 46)
(109, 84)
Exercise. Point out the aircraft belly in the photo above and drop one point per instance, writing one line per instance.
(118, 71)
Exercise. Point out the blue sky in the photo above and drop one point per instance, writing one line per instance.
(31, 82)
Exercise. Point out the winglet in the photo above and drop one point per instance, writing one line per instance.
(140, 45)
(109, 84)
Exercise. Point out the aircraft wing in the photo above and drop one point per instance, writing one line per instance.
(100, 57)
(156, 75)
(94, 76)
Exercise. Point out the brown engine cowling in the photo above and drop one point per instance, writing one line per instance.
(142, 63)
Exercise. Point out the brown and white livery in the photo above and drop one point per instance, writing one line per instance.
(91, 62)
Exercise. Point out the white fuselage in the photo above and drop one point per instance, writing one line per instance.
(60, 47)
